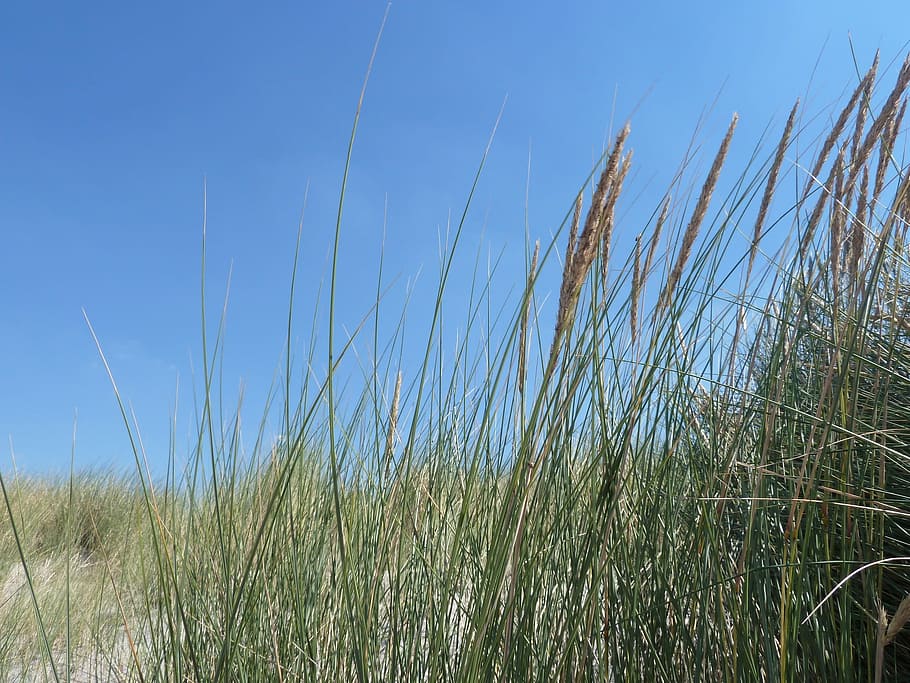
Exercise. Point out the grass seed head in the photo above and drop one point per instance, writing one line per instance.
(865, 106)
(899, 620)
(608, 217)
(655, 238)
(771, 186)
(883, 124)
(858, 230)
(839, 126)
(636, 287)
(827, 190)
(578, 265)
(525, 314)
(698, 215)
(838, 218)
(393, 418)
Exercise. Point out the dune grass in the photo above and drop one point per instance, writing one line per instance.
(69, 557)
(701, 471)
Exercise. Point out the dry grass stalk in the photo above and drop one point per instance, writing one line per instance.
(608, 215)
(636, 287)
(602, 202)
(698, 215)
(886, 146)
(891, 106)
(814, 219)
(902, 211)
(838, 219)
(858, 231)
(884, 122)
(898, 621)
(861, 155)
(865, 106)
(573, 232)
(570, 254)
(757, 231)
(771, 186)
(579, 260)
(896, 123)
(881, 627)
(525, 314)
(655, 238)
(393, 418)
(884, 154)
(887, 632)
(839, 125)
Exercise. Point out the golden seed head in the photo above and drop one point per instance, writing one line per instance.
(698, 215)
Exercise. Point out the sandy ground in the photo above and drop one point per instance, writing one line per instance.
(21, 637)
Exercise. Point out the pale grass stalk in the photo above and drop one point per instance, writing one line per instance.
(898, 621)
(896, 123)
(886, 632)
(881, 627)
(858, 232)
(579, 265)
(698, 215)
(595, 223)
(838, 218)
(636, 287)
(839, 125)
(883, 131)
(525, 314)
(609, 216)
(814, 219)
(865, 106)
(573, 232)
(891, 106)
(393, 420)
(770, 187)
(564, 293)
(902, 211)
(883, 122)
(655, 238)
(886, 147)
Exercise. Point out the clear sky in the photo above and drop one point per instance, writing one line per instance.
(112, 113)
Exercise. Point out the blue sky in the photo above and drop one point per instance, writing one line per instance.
(113, 113)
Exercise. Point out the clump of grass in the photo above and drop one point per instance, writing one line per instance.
(66, 540)
(690, 478)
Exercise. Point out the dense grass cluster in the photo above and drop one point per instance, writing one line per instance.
(701, 473)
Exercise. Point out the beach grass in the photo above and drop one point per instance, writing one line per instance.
(695, 467)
